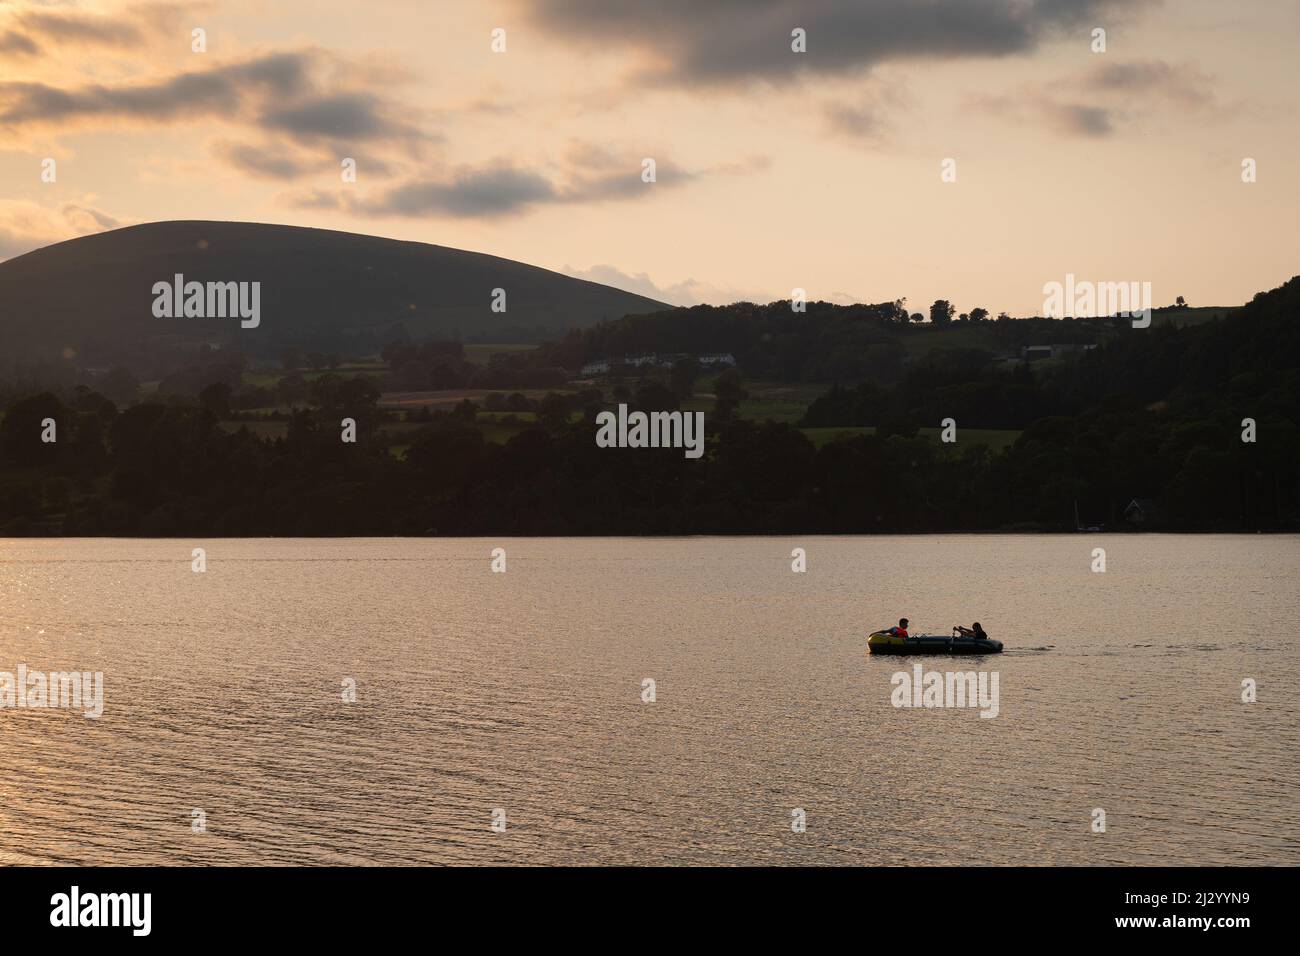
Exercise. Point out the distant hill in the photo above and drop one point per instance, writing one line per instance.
(319, 289)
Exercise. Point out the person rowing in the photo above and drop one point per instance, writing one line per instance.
(974, 631)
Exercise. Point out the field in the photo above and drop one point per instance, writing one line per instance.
(262, 429)
(778, 401)
(922, 339)
(269, 377)
(1191, 316)
(447, 400)
(482, 354)
(775, 401)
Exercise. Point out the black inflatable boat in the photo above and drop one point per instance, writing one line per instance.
(883, 642)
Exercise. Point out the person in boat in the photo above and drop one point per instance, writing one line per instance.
(974, 631)
(901, 630)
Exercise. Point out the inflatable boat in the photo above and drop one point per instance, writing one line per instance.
(882, 642)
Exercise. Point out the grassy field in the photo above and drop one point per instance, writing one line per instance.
(262, 429)
(482, 354)
(499, 416)
(268, 377)
(276, 429)
(498, 434)
(1192, 316)
(824, 436)
(775, 401)
(449, 399)
(778, 401)
(921, 339)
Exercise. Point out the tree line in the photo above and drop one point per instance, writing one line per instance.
(1156, 414)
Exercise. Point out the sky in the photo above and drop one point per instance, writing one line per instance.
(775, 169)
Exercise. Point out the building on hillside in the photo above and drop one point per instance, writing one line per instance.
(716, 358)
(1031, 352)
(602, 366)
(645, 358)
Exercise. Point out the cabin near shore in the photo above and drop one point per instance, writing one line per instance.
(1143, 512)
(1031, 352)
(709, 360)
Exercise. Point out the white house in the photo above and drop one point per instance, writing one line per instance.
(719, 358)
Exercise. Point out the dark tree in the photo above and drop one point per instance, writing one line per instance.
(120, 385)
(685, 372)
(728, 395)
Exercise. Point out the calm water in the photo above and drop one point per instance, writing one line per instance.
(522, 691)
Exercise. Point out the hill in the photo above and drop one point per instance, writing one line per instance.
(319, 289)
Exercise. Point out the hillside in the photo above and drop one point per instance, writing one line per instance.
(319, 289)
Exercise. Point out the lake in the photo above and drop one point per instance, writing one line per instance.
(225, 737)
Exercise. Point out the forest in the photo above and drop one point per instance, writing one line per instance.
(1199, 421)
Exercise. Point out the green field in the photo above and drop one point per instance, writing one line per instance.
(774, 401)
(450, 398)
(262, 429)
(780, 402)
(1192, 316)
(498, 434)
(824, 436)
(482, 354)
(500, 416)
(268, 377)
(267, 428)
(920, 340)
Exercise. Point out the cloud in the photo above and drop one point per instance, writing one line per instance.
(497, 189)
(1080, 119)
(686, 292)
(491, 191)
(288, 93)
(1182, 85)
(594, 173)
(502, 187)
(183, 96)
(84, 219)
(855, 121)
(79, 26)
(682, 42)
(18, 43)
(1118, 93)
(25, 226)
(337, 116)
(262, 162)
(1037, 107)
(30, 30)
(864, 115)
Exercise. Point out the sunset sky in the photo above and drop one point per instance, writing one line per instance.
(776, 169)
